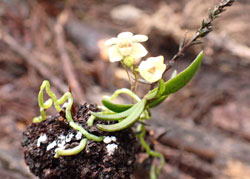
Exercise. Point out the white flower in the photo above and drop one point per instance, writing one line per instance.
(152, 69)
(126, 44)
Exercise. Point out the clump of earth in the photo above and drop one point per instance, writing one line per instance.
(114, 157)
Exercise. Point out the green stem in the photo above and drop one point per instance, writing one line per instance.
(154, 171)
(85, 132)
(134, 84)
(73, 151)
(125, 91)
(91, 120)
(57, 102)
(46, 85)
(47, 104)
(67, 96)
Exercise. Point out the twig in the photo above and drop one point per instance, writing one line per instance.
(205, 28)
(32, 59)
(66, 62)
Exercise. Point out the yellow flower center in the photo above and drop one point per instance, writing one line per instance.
(125, 48)
(152, 70)
(125, 45)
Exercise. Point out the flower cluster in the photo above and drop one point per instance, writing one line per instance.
(128, 49)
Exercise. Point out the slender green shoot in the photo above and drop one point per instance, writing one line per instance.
(91, 120)
(154, 171)
(67, 101)
(125, 91)
(47, 104)
(74, 151)
(85, 132)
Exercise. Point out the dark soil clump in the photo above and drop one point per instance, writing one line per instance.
(93, 162)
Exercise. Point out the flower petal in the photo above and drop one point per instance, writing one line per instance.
(151, 78)
(145, 66)
(159, 63)
(148, 77)
(125, 35)
(139, 38)
(143, 70)
(152, 69)
(125, 51)
(114, 55)
(138, 51)
(111, 41)
(156, 60)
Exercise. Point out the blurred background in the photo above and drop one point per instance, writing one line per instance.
(207, 122)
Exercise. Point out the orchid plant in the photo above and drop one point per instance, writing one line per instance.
(127, 49)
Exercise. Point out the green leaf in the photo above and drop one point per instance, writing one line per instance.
(181, 79)
(135, 113)
(157, 101)
(116, 107)
(116, 116)
(161, 88)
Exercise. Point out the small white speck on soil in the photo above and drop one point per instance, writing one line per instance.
(61, 141)
(41, 139)
(69, 137)
(78, 136)
(109, 139)
(111, 148)
(51, 145)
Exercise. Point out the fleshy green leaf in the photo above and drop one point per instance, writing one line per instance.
(116, 107)
(161, 88)
(181, 79)
(135, 113)
(157, 101)
(115, 116)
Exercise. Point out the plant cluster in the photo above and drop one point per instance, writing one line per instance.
(126, 48)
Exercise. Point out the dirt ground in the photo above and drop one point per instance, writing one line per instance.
(207, 123)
